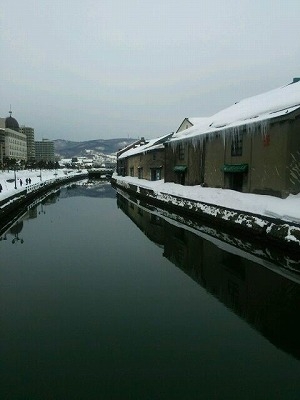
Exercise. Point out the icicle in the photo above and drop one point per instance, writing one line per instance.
(226, 133)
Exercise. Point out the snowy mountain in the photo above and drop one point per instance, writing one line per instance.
(69, 149)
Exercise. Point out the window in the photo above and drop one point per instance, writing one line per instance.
(140, 173)
(180, 151)
(155, 219)
(237, 145)
(155, 174)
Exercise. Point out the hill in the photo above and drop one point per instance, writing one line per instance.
(69, 149)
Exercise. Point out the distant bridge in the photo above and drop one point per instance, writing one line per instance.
(101, 173)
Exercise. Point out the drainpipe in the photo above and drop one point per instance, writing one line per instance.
(250, 164)
(224, 159)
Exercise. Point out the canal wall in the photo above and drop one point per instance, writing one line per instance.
(274, 231)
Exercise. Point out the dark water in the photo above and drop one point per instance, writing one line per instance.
(104, 300)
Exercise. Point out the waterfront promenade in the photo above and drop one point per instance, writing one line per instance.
(23, 182)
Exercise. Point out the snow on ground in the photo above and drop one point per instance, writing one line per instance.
(7, 179)
(285, 209)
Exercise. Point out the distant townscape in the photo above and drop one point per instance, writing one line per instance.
(19, 149)
(90, 153)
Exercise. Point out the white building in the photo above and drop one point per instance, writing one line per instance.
(15, 143)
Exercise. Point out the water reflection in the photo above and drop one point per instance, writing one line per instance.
(14, 227)
(264, 293)
(88, 188)
(91, 309)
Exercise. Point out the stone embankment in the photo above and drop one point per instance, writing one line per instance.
(273, 231)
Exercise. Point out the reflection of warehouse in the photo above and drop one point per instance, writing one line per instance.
(184, 250)
(150, 224)
(251, 290)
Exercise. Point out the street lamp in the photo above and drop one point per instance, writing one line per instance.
(16, 239)
(42, 209)
(15, 177)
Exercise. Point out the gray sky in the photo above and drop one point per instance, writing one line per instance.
(100, 69)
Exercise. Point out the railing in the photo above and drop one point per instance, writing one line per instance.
(36, 186)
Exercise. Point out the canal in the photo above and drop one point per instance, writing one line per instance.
(105, 298)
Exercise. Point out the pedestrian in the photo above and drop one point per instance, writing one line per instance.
(26, 181)
(21, 183)
(29, 180)
(0, 188)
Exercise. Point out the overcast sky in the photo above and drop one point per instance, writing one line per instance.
(100, 69)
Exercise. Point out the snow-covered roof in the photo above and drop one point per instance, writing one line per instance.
(256, 109)
(191, 120)
(153, 144)
(274, 100)
(129, 146)
(198, 121)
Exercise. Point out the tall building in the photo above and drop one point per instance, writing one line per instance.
(2, 145)
(15, 143)
(29, 132)
(44, 150)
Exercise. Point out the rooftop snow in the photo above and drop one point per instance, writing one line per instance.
(252, 110)
(274, 103)
(152, 144)
(275, 100)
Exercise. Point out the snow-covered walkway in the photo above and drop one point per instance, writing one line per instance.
(8, 181)
(285, 209)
